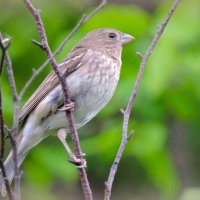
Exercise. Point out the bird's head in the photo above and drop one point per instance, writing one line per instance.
(107, 40)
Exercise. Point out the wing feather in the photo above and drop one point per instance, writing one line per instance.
(67, 66)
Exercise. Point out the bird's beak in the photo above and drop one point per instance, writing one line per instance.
(126, 38)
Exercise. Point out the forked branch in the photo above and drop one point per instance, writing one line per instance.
(127, 111)
(70, 119)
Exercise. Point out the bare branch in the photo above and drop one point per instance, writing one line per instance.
(8, 189)
(38, 44)
(139, 55)
(58, 50)
(99, 7)
(83, 19)
(4, 44)
(70, 119)
(3, 48)
(1, 113)
(15, 127)
(148, 53)
(69, 115)
(132, 98)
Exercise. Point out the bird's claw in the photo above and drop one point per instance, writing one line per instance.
(67, 107)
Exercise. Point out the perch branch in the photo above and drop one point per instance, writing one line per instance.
(14, 128)
(126, 114)
(70, 119)
(58, 50)
(8, 189)
(83, 19)
(1, 113)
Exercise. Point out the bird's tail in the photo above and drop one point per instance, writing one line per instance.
(27, 139)
(9, 170)
(9, 167)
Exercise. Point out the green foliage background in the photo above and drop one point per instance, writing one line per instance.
(163, 154)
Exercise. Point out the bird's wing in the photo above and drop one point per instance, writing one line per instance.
(67, 66)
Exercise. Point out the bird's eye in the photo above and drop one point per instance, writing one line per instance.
(112, 35)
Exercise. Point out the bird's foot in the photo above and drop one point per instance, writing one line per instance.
(76, 160)
(67, 107)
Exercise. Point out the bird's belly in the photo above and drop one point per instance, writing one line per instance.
(87, 104)
(92, 102)
(90, 88)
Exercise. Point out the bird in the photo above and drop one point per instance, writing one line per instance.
(91, 71)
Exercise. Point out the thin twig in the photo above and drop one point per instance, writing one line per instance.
(15, 124)
(57, 51)
(132, 98)
(70, 119)
(69, 115)
(83, 19)
(1, 113)
(38, 44)
(3, 53)
(15, 127)
(99, 7)
(2, 143)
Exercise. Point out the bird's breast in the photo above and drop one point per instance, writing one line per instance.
(98, 81)
(91, 87)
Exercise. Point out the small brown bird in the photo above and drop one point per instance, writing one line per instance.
(92, 72)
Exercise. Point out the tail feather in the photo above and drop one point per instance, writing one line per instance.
(9, 170)
(28, 137)
(9, 167)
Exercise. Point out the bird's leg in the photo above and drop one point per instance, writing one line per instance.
(80, 163)
(69, 106)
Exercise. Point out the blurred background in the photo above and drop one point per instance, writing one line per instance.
(162, 159)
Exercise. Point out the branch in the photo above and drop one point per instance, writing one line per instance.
(58, 50)
(15, 127)
(99, 7)
(4, 47)
(15, 122)
(126, 113)
(70, 119)
(83, 19)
